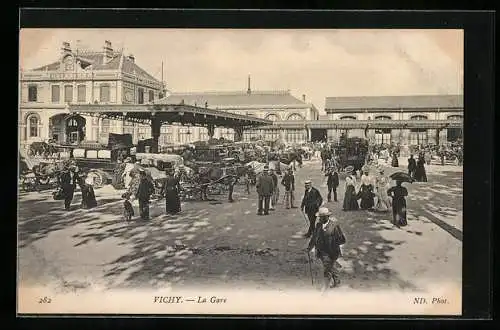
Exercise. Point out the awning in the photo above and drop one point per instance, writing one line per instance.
(169, 114)
(363, 124)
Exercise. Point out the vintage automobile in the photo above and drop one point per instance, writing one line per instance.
(99, 161)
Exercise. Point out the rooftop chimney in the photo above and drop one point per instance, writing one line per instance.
(304, 97)
(131, 58)
(249, 90)
(108, 51)
(66, 48)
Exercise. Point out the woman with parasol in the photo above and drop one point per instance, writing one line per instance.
(398, 194)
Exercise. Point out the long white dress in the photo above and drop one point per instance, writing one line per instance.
(126, 174)
(383, 200)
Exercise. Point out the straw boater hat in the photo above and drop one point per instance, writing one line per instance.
(323, 211)
(308, 182)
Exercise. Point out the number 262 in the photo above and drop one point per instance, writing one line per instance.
(44, 300)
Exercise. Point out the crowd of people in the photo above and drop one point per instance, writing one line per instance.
(367, 189)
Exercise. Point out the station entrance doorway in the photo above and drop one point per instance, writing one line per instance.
(319, 135)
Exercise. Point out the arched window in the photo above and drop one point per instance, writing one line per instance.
(418, 136)
(295, 116)
(272, 117)
(105, 126)
(33, 122)
(347, 118)
(383, 118)
(72, 122)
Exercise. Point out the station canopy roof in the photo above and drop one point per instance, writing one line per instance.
(169, 114)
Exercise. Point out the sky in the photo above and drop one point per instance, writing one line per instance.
(317, 63)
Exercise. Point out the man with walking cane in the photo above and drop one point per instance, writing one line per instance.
(326, 240)
(289, 182)
(311, 202)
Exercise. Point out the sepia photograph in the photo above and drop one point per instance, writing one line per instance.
(240, 171)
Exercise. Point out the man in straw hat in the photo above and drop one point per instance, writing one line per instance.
(311, 202)
(265, 189)
(326, 240)
(332, 182)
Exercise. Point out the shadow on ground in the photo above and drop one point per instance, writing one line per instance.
(224, 244)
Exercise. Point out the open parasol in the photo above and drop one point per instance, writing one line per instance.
(401, 176)
(348, 169)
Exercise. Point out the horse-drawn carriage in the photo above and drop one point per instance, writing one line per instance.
(37, 175)
(352, 152)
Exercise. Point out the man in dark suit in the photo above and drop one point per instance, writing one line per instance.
(67, 182)
(311, 202)
(265, 188)
(289, 183)
(144, 192)
(332, 183)
(327, 239)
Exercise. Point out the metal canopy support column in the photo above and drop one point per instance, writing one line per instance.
(211, 131)
(238, 133)
(155, 133)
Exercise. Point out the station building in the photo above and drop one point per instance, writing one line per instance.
(109, 78)
(275, 106)
(81, 76)
(417, 119)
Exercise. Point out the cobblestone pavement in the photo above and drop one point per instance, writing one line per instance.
(223, 244)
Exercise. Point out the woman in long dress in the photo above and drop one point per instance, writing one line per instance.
(420, 174)
(398, 194)
(383, 200)
(395, 161)
(366, 191)
(350, 201)
(171, 190)
(88, 196)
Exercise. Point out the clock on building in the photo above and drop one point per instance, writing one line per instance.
(68, 64)
(129, 95)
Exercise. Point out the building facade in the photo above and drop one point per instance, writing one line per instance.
(425, 108)
(83, 77)
(272, 105)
